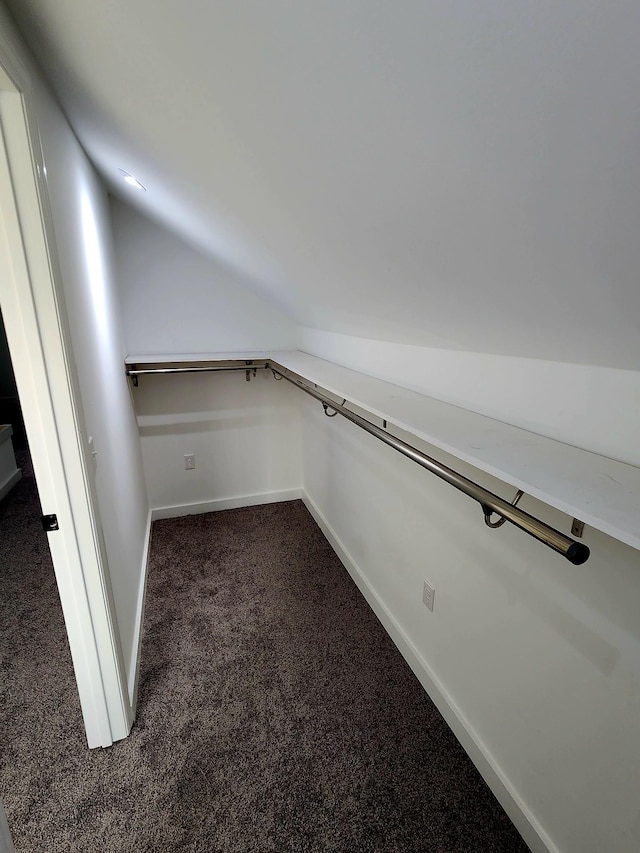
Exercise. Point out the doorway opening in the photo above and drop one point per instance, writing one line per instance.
(38, 692)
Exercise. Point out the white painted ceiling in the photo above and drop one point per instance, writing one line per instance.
(462, 174)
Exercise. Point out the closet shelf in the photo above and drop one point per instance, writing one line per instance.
(186, 358)
(601, 492)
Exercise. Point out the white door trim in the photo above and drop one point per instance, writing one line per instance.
(35, 322)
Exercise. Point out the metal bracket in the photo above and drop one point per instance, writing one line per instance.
(577, 528)
(49, 523)
(248, 372)
(134, 379)
(488, 512)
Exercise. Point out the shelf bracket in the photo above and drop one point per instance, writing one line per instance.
(577, 528)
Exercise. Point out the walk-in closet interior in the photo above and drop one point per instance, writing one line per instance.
(325, 326)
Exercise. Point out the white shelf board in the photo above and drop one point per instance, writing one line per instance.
(185, 358)
(602, 492)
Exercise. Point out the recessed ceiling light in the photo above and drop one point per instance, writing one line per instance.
(134, 182)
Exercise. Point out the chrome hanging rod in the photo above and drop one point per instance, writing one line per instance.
(134, 370)
(247, 365)
(576, 552)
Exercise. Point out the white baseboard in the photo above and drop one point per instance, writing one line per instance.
(524, 821)
(134, 663)
(9, 482)
(226, 503)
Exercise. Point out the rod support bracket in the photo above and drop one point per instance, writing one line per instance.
(488, 512)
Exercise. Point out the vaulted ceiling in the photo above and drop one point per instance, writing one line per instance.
(462, 174)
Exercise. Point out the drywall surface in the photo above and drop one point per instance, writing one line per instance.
(80, 212)
(449, 174)
(245, 437)
(533, 659)
(595, 408)
(178, 300)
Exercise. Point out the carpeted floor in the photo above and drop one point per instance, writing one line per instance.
(274, 712)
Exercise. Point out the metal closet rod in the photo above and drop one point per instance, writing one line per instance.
(248, 365)
(256, 364)
(576, 552)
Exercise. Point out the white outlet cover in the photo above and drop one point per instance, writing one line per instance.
(428, 595)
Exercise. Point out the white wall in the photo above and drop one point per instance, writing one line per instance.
(84, 251)
(449, 174)
(532, 660)
(595, 408)
(178, 300)
(245, 435)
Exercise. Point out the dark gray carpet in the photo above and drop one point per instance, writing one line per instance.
(274, 715)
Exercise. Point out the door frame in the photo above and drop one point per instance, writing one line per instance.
(39, 342)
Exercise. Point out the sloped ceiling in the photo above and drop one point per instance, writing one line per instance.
(462, 174)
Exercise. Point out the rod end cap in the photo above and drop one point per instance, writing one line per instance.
(578, 553)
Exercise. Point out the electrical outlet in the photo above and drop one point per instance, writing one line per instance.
(428, 594)
(189, 461)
